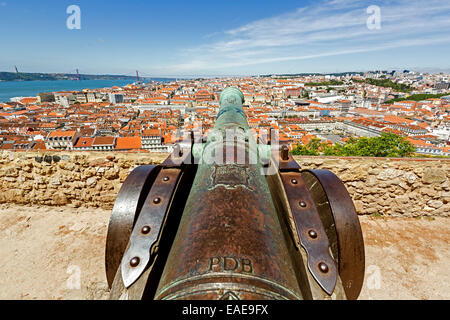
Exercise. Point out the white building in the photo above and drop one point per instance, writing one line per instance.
(116, 98)
(154, 142)
(443, 132)
(62, 140)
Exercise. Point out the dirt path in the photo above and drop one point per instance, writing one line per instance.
(58, 253)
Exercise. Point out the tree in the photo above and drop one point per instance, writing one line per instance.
(416, 97)
(387, 145)
(305, 94)
(386, 83)
(311, 149)
(324, 83)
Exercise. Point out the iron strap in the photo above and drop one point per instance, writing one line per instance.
(144, 240)
(124, 214)
(350, 242)
(310, 230)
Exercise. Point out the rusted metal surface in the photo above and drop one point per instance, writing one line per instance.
(145, 286)
(182, 154)
(229, 241)
(124, 214)
(284, 160)
(311, 290)
(147, 231)
(310, 231)
(229, 244)
(342, 223)
(225, 235)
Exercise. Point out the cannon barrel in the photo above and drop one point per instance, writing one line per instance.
(225, 229)
(230, 242)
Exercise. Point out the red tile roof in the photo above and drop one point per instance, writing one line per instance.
(33, 107)
(84, 142)
(59, 133)
(7, 146)
(151, 133)
(28, 100)
(104, 141)
(128, 143)
(40, 145)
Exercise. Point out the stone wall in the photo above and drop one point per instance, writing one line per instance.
(394, 187)
(74, 179)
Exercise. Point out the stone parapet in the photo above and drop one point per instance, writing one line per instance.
(407, 187)
(392, 187)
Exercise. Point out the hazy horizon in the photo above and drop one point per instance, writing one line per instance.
(232, 38)
(399, 69)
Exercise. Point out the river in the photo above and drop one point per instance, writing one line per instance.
(11, 89)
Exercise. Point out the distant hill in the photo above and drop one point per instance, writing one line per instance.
(339, 74)
(12, 76)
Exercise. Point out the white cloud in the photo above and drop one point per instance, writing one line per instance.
(324, 29)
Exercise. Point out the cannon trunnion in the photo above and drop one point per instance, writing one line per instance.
(228, 218)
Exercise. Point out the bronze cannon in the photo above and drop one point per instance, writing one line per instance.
(230, 217)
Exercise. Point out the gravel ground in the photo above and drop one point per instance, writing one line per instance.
(58, 253)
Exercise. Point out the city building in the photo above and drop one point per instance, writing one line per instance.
(116, 98)
(103, 143)
(61, 140)
(153, 141)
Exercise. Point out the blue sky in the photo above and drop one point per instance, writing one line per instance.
(207, 38)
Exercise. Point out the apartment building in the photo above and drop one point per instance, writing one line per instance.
(62, 140)
(103, 143)
(65, 99)
(116, 98)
